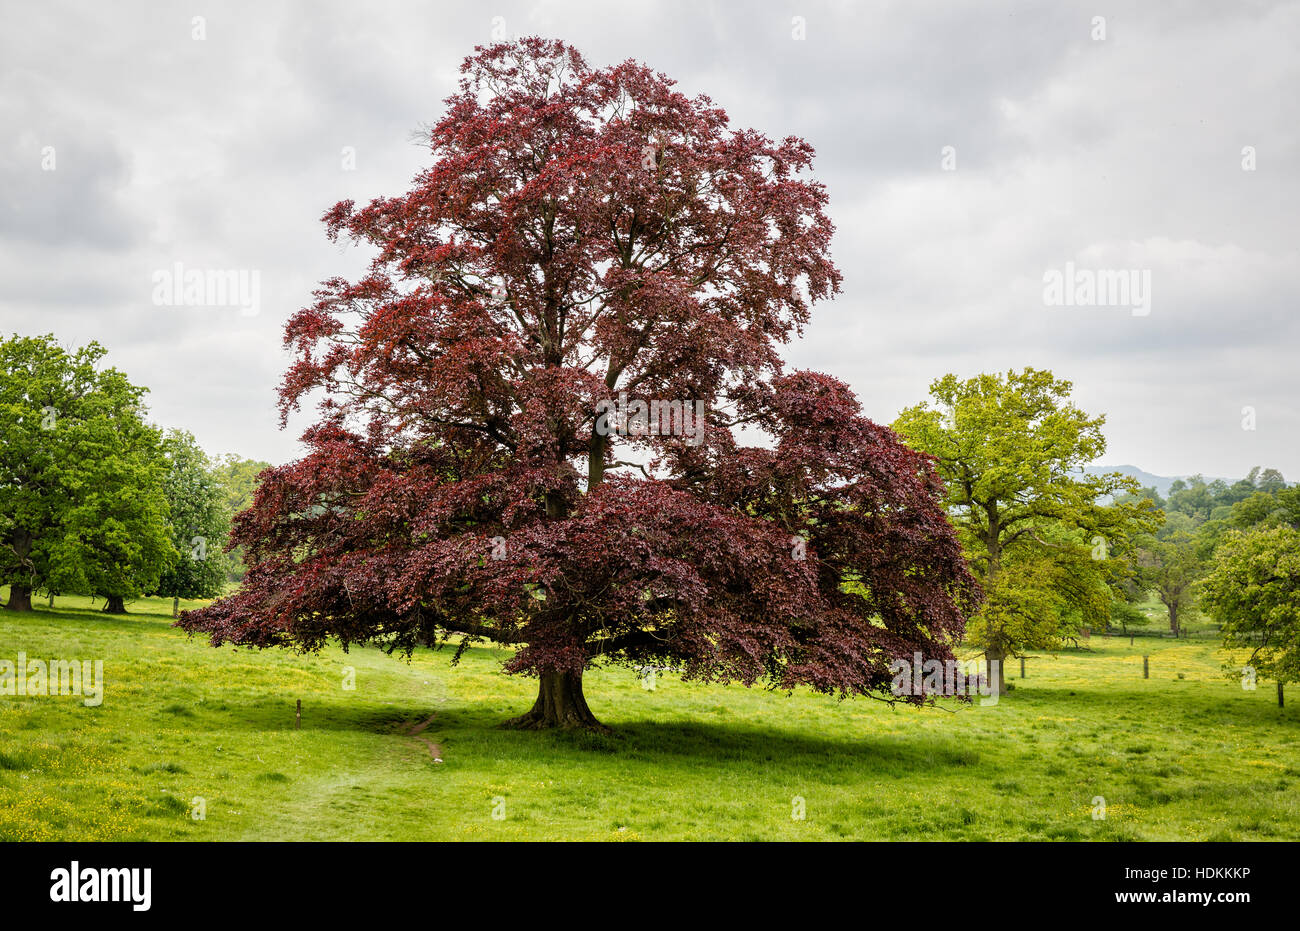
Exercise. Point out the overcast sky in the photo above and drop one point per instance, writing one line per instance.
(1115, 153)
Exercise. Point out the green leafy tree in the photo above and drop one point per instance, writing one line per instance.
(238, 479)
(1253, 591)
(1195, 497)
(1011, 451)
(1170, 564)
(199, 524)
(1147, 492)
(1269, 481)
(1203, 501)
(114, 539)
(1278, 505)
(38, 380)
(81, 505)
(1127, 616)
(1268, 508)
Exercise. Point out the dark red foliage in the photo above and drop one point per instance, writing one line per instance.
(585, 232)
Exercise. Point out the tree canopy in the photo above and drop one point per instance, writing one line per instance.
(237, 479)
(585, 237)
(1037, 528)
(199, 521)
(1253, 590)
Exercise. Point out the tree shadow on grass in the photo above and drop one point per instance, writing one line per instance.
(97, 620)
(254, 711)
(474, 730)
(724, 745)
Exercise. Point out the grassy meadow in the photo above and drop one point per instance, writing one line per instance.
(413, 751)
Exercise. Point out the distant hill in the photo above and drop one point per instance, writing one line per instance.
(1161, 483)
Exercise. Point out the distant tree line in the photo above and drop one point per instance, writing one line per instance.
(1200, 517)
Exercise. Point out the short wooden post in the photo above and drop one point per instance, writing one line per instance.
(1279, 696)
(1146, 667)
(51, 599)
(176, 607)
(297, 718)
(1022, 667)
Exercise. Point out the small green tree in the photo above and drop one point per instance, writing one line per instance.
(1253, 591)
(1126, 615)
(1171, 563)
(238, 479)
(1194, 497)
(1011, 451)
(199, 524)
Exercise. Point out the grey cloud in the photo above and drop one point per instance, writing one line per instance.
(224, 153)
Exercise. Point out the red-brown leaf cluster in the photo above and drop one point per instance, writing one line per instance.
(581, 233)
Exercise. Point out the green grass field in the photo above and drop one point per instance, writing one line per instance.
(1185, 755)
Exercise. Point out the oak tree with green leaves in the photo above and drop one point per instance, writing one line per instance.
(82, 507)
(1253, 591)
(1039, 532)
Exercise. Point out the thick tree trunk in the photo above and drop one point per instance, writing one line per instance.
(995, 668)
(560, 704)
(596, 460)
(995, 654)
(114, 605)
(20, 598)
(1173, 619)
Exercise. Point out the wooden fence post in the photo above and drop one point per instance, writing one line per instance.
(1146, 667)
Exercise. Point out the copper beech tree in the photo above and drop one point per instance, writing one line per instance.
(589, 243)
